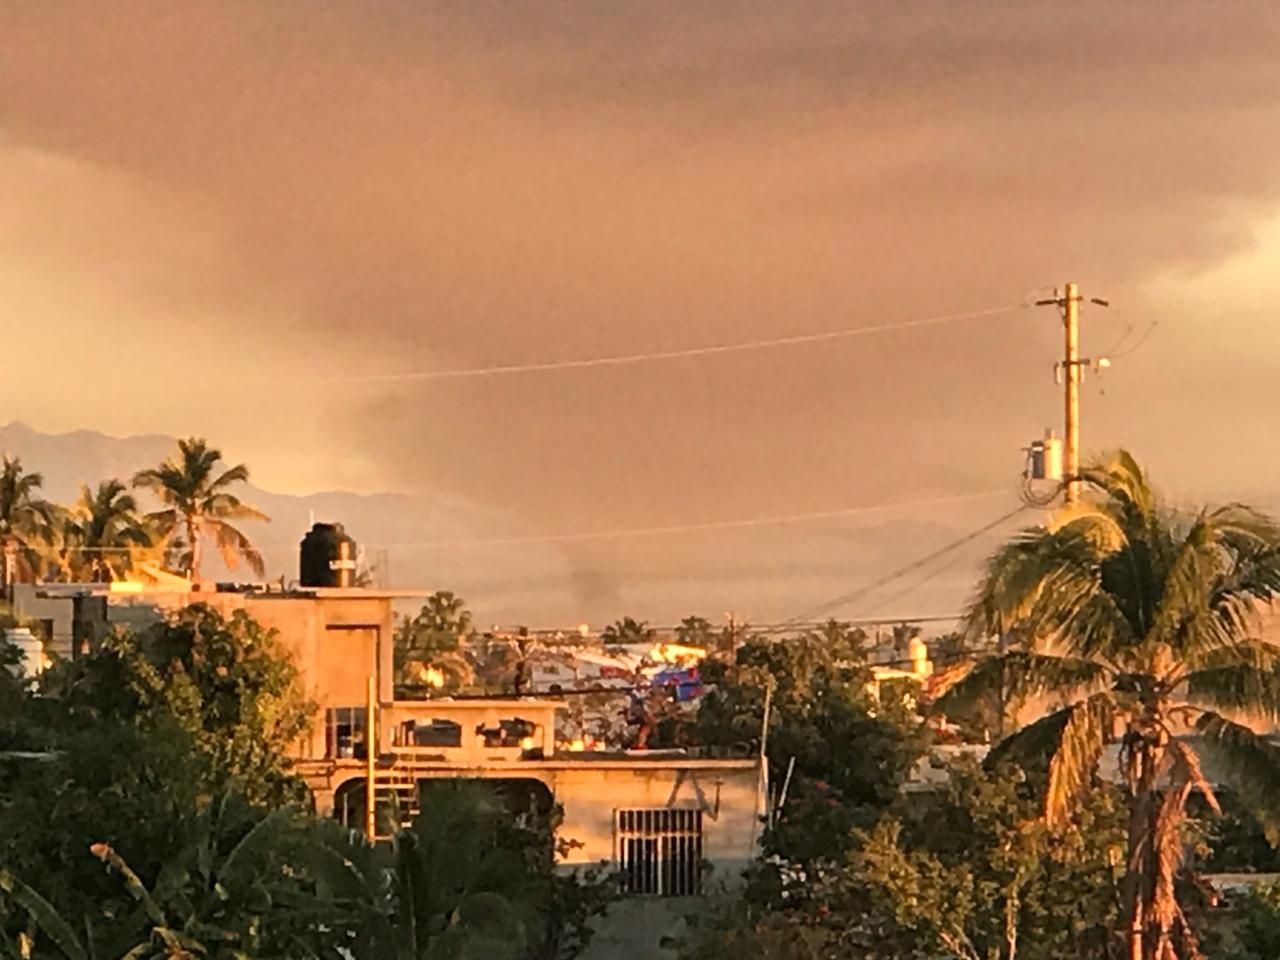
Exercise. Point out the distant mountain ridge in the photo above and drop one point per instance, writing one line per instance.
(397, 529)
(428, 542)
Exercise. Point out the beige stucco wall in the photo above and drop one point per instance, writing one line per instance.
(335, 642)
(635, 927)
(592, 791)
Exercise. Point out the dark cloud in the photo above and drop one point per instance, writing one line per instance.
(403, 186)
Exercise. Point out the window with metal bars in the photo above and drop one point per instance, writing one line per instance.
(659, 851)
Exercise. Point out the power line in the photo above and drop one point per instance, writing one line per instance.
(616, 360)
(1136, 344)
(917, 584)
(847, 598)
(709, 525)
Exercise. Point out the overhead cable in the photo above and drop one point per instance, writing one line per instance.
(845, 599)
(710, 525)
(683, 353)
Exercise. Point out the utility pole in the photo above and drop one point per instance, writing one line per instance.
(1071, 372)
(1071, 365)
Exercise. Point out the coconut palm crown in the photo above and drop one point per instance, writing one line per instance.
(28, 522)
(104, 533)
(1144, 623)
(194, 486)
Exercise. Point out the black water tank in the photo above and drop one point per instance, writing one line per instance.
(327, 557)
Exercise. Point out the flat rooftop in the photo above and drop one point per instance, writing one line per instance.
(477, 704)
(257, 591)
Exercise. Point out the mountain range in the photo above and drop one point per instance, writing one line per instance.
(426, 543)
(407, 539)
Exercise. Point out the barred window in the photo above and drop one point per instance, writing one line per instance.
(660, 851)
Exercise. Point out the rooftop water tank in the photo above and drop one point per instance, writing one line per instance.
(327, 557)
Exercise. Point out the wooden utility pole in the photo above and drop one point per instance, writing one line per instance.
(1071, 370)
(1071, 377)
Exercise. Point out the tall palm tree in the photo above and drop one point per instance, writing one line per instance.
(104, 532)
(1144, 623)
(194, 486)
(28, 522)
(436, 639)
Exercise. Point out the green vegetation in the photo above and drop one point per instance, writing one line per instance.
(1128, 626)
(847, 754)
(224, 684)
(28, 523)
(103, 535)
(194, 486)
(437, 638)
(969, 872)
(1118, 672)
(1141, 625)
(163, 820)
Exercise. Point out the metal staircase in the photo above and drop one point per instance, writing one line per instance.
(395, 793)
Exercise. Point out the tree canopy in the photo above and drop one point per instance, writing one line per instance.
(1142, 621)
(195, 488)
(433, 647)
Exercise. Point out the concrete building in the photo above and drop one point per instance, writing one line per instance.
(675, 825)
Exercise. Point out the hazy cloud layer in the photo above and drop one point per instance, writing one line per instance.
(245, 196)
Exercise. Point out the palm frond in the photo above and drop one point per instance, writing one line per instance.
(1186, 769)
(1169, 846)
(1085, 732)
(1092, 523)
(166, 481)
(234, 546)
(1248, 687)
(264, 833)
(1249, 763)
(237, 474)
(44, 915)
(164, 521)
(1121, 480)
(1013, 580)
(230, 507)
(1036, 744)
(1245, 529)
(1048, 585)
(1017, 674)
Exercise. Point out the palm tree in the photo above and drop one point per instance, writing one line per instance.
(194, 487)
(1143, 623)
(436, 639)
(628, 630)
(28, 523)
(103, 533)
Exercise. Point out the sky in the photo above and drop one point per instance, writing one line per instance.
(217, 218)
